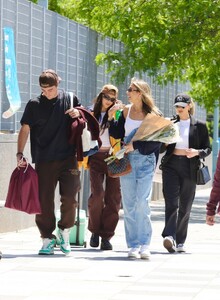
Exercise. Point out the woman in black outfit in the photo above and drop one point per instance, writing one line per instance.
(179, 168)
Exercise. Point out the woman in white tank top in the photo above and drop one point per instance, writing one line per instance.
(136, 187)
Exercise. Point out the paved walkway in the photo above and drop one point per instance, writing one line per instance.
(110, 275)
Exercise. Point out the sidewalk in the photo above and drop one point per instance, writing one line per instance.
(110, 275)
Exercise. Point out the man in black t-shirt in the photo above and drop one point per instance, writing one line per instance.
(46, 118)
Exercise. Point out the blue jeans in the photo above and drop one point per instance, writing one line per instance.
(136, 189)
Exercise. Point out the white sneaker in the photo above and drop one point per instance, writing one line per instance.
(169, 244)
(64, 240)
(133, 253)
(48, 247)
(145, 252)
(180, 248)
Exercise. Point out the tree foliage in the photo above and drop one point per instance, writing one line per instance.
(168, 39)
(52, 5)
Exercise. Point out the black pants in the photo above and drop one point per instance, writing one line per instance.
(49, 174)
(179, 193)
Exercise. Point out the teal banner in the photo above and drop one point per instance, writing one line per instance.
(11, 80)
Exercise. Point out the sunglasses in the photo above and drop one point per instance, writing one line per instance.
(109, 98)
(132, 90)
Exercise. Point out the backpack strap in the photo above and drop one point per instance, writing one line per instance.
(70, 94)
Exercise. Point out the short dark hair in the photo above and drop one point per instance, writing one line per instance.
(49, 78)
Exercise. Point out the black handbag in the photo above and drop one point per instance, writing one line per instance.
(203, 175)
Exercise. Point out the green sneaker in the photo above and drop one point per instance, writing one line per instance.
(48, 247)
(64, 240)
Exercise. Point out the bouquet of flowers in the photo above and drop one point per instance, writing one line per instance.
(118, 155)
(157, 128)
(167, 135)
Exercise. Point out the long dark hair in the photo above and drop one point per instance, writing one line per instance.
(98, 105)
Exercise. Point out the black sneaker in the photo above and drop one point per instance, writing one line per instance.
(0, 255)
(106, 245)
(94, 240)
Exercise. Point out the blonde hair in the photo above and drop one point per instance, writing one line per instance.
(192, 107)
(146, 96)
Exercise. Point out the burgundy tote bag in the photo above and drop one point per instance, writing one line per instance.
(23, 192)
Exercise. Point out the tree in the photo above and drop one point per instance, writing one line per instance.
(168, 39)
(52, 5)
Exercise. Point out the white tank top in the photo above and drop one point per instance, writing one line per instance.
(104, 136)
(183, 141)
(131, 124)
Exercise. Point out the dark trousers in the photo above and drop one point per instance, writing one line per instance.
(104, 202)
(179, 193)
(50, 173)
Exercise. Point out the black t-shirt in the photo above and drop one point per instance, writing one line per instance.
(49, 127)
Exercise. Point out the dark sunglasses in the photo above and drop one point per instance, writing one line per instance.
(109, 98)
(132, 90)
